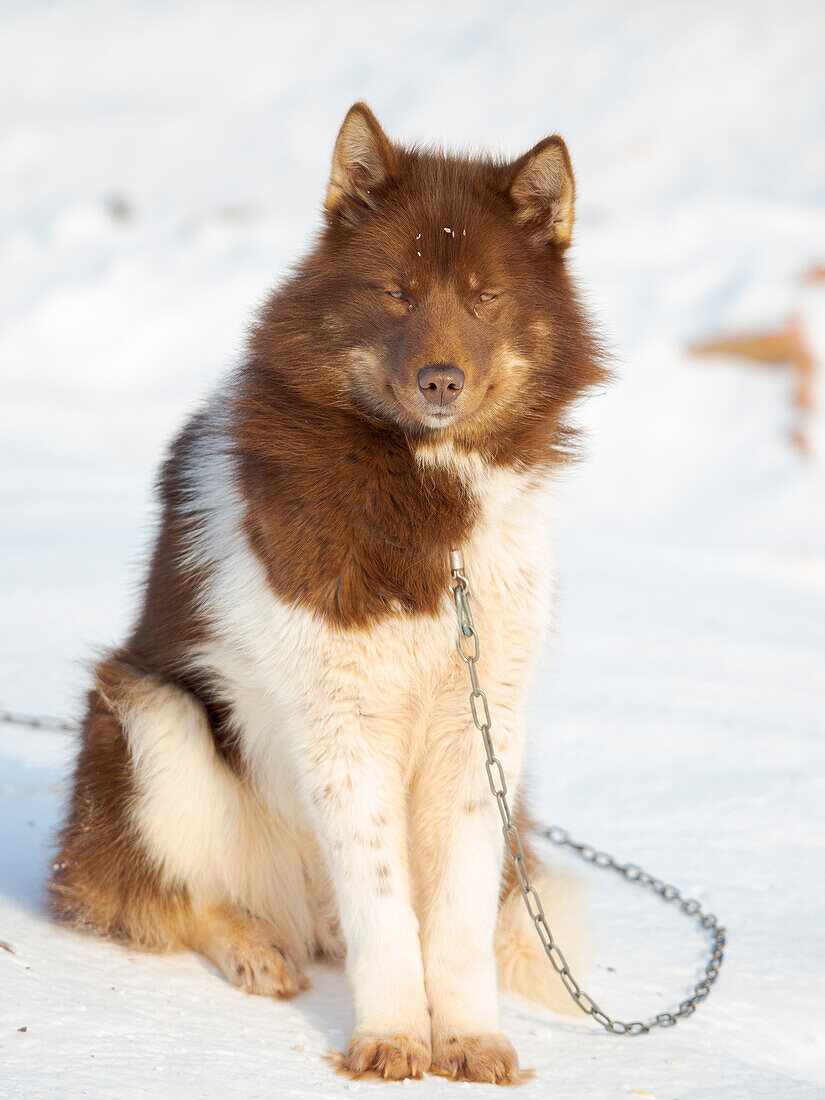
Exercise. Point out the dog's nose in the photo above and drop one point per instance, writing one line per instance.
(440, 383)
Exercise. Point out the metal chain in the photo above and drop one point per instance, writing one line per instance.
(469, 651)
(38, 722)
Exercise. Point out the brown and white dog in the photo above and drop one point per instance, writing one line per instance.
(280, 763)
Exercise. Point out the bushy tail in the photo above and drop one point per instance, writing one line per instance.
(523, 966)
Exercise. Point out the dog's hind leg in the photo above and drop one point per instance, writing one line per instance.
(247, 951)
(104, 878)
(165, 847)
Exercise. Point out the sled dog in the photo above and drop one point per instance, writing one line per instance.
(279, 764)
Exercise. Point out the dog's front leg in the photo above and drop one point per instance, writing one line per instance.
(359, 800)
(457, 853)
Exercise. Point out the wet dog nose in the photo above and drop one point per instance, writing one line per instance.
(441, 383)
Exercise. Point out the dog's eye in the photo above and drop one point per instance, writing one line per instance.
(487, 296)
(399, 295)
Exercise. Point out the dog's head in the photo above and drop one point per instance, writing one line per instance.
(438, 291)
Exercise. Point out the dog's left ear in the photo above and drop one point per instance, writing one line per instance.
(542, 187)
(362, 164)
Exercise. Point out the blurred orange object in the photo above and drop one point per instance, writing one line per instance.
(786, 346)
(815, 274)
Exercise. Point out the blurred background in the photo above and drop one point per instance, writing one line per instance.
(161, 166)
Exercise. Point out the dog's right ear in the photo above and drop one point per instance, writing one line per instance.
(362, 164)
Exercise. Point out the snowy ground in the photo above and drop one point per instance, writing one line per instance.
(160, 165)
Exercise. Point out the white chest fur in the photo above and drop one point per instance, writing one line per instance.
(283, 667)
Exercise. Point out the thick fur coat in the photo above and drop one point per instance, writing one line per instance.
(280, 763)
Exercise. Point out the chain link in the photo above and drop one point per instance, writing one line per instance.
(469, 650)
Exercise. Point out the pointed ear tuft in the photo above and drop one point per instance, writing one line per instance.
(362, 164)
(543, 190)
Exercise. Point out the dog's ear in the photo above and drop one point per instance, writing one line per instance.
(362, 164)
(542, 187)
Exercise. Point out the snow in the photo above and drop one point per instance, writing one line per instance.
(160, 166)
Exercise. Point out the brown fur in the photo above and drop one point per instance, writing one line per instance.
(326, 447)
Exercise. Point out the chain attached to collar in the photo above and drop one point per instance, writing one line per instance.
(469, 651)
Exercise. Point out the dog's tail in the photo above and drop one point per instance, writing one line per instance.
(523, 966)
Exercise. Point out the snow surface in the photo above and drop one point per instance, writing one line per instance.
(161, 164)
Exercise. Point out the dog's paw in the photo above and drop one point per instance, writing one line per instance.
(392, 1057)
(482, 1058)
(260, 966)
